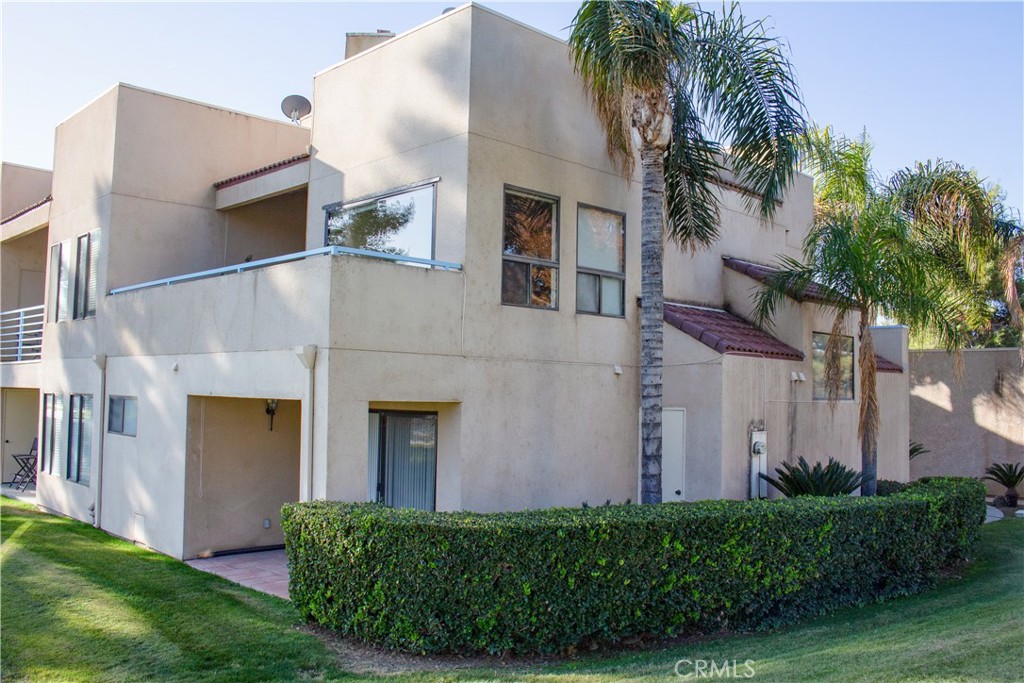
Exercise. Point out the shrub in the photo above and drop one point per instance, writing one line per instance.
(541, 581)
(834, 479)
(1009, 475)
(887, 487)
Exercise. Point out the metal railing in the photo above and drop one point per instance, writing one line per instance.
(21, 334)
(287, 258)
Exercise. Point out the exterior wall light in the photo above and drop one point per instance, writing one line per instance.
(271, 410)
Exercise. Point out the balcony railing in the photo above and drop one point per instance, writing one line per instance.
(21, 334)
(262, 263)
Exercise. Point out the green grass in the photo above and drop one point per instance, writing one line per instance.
(79, 605)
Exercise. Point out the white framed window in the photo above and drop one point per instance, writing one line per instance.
(529, 265)
(399, 222)
(122, 415)
(819, 343)
(600, 261)
(80, 439)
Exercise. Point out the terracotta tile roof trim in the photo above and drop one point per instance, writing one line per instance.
(727, 333)
(760, 272)
(22, 212)
(886, 365)
(264, 170)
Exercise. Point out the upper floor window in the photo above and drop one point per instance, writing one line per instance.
(529, 268)
(60, 280)
(73, 270)
(819, 342)
(600, 261)
(400, 222)
(85, 275)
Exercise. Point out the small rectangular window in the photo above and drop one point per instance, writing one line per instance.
(819, 343)
(80, 439)
(600, 261)
(399, 223)
(529, 271)
(123, 415)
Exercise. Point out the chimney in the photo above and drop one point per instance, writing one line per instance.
(360, 42)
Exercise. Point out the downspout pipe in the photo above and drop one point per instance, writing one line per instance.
(97, 505)
(307, 356)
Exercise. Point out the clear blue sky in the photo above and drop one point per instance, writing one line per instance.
(927, 80)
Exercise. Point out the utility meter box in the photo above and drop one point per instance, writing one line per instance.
(758, 464)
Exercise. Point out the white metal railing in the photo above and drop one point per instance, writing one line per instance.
(21, 334)
(287, 258)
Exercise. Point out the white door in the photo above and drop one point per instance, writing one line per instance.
(673, 455)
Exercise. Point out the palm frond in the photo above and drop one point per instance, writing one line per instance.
(740, 78)
(691, 167)
(841, 167)
(623, 49)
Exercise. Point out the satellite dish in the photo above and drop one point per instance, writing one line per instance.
(295, 107)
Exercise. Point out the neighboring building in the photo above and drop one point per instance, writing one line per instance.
(219, 340)
(969, 422)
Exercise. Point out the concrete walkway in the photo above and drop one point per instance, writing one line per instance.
(26, 496)
(992, 514)
(265, 571)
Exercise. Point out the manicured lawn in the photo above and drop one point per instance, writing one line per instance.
(78, 605)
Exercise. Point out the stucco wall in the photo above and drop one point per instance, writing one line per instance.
(21, 187)
(22, 271)
(238, 472)
(971, 423)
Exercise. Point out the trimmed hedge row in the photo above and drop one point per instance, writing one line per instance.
(540, 581)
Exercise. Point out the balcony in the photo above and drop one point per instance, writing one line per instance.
(21, 334)
(287, 258)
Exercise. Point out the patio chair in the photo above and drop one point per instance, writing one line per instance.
(26, 473)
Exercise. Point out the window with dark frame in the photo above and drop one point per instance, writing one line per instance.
(80, 439)
(819, 344)
(600, 261)
(529, 266)
(60, 283)
(85, 275)
(122, 415)
(53, 418)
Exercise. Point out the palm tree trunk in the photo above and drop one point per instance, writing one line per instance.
(652, 293)
(868, 407)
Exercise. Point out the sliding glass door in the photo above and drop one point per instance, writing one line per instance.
(403, 459)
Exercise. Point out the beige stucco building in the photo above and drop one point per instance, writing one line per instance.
(425, 292)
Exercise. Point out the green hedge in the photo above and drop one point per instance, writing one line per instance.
(541, 581)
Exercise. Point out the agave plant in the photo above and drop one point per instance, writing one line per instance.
(1009, 475)
(834, 479)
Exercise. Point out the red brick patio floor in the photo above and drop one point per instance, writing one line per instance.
(265, 571)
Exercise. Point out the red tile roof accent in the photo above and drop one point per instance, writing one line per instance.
(760, 272)
(277, 165)
(28, 208)
(886, 365)
(727, 333)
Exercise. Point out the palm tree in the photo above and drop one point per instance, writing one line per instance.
(681, 86)
(887, 249)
